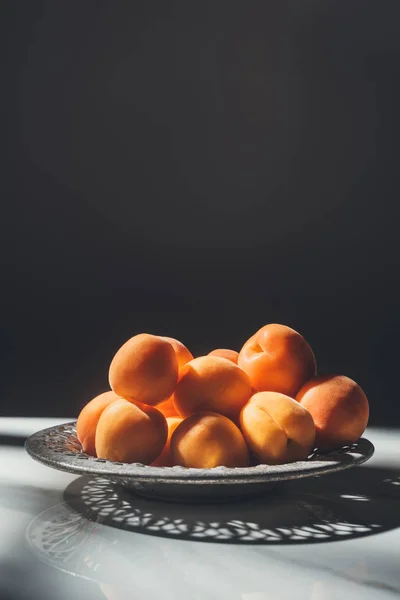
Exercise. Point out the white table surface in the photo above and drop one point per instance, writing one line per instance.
(332, 538)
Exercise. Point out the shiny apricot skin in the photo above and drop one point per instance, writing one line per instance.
(213, 384)
(165, 459)
(89, 417)
(206, 440)
(167, 408)
(226, 353)
(339, 407)
(277, 359)
(277, 428)
(144, 369)
(130, 433)
(183, 355)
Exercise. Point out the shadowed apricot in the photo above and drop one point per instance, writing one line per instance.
(88, 419)
(183, 355)
(212, 383)
(277, 359)
(225, 353)
(145, 369)
(206, 440)
(339, 408)
(129, 433)
(167, 408)
(165, 459)
(275, 430)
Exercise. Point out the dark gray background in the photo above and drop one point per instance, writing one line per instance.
(197, 169)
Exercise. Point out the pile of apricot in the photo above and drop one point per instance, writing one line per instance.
(264, 404)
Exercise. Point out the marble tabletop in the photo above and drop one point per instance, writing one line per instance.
(327, 538)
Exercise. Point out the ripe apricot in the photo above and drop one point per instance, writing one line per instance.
(129, 433)
(167, 408)
(277, 359)
(206, 440)
(165, 459)
(339, 408)
(183, 355)
(212, 383)
(226, 353)
(145, 369)
(277, 429)
(88, 419)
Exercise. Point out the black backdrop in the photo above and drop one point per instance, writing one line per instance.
(198, 169)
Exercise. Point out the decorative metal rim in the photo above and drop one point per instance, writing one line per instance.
(59, 448)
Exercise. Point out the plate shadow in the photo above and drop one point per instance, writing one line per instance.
(355, 503)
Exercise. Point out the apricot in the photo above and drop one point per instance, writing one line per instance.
(183, 355)
(226, 353)
(88, 419)
(145, 369)
(212, 383)
(277, 429)
(165, 459)
(277, 359)
(206, 439)
(167, 408)
(339, 408)
(129, 433)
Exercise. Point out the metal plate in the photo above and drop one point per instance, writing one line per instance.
(59, 448)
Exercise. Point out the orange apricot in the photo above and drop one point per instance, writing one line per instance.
(128, 432)
(145, 369)
(226, 353)
(277, 429)
(206, 440)
(212, 383)
(165, 459)
(88, 419)
(277, 359)
(339, 408)
(167, 408)
(183, 355)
